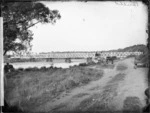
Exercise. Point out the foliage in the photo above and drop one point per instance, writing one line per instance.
(82, 64)
(134, 48)
(18, 18)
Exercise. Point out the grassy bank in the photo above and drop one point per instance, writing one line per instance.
(29, 89)
(121, 67)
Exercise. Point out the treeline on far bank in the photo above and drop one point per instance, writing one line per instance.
(11, 60)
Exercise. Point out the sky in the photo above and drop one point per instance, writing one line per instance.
(92, 26)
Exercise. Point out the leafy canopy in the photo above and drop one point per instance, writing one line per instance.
(18, 17)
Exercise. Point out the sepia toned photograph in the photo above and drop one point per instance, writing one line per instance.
(74, 56)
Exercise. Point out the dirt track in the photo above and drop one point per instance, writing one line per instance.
(120, 89)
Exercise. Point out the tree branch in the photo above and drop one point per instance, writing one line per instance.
(33, 24)
(4, 52)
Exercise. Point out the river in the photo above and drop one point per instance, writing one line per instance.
(55, 63)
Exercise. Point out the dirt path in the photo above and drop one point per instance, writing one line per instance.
(132, 87)
(113, 91)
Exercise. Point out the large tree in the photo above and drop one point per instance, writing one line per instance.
(18, 17)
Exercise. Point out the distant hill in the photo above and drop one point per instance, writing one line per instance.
(139, 47)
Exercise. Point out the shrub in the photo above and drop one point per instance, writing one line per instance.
(82, 64)
(51, 67)
(75, 66)
(43, 68)
(35, 69)
(70, 84)
(85, 80)
(28, 69)
(20, 69)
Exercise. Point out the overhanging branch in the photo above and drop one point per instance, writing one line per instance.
(33, 24)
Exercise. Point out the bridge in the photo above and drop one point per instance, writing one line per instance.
(75, 55)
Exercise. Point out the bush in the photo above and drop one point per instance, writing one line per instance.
(31, 69)
(20, 69)
(35, 69)
(85, 80)
(75, 66)
(12, 74)
(82, 64)
(28, 69)
(51, 67)
(43, 68)
(70, 84)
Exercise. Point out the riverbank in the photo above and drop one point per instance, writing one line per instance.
(29, 89)
(90, 88)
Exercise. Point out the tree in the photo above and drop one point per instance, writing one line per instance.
(18, 17)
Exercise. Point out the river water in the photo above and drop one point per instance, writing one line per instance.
(55, 63)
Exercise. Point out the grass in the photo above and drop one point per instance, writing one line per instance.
(132, 105)
(108, 66)
(117, 78)
(121, 67)
(29, 89)
(80, 95)
(100, 102)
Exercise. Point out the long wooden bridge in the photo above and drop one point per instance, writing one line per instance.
(76, 55)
